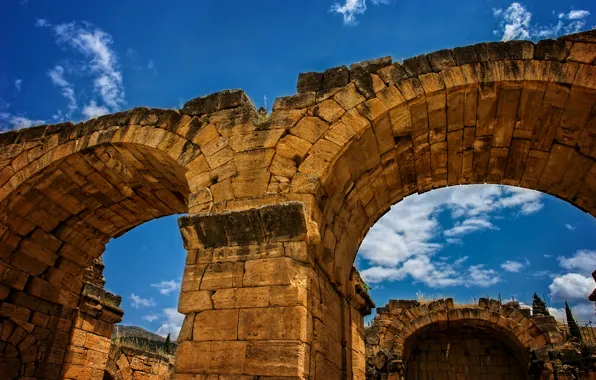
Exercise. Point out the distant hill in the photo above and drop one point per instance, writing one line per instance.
(139, 338)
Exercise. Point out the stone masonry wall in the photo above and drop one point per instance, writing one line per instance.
(463, 355)
(126, 363)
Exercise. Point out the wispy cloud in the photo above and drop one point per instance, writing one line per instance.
(479, 276)
(516, 23)
(402, 242)
(468, 226)
(172, 324)
(167, 287)
(42, 23)
(8, 122)
(138, 301)
(92, 110)
(150, 317)
(66, 88)
(100, 64)
(514, 266)
(569, 227)
(18, 84)
(351, 8)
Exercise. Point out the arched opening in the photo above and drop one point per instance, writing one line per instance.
(463, 350)
(57, 222)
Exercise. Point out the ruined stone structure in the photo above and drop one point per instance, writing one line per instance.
(125, 363)
(278, 206)
(441, 340)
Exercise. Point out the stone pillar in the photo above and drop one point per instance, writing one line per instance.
(256, 303)
(91, 334)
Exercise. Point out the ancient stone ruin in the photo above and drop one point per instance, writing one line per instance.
(488, 340)
(277, 204)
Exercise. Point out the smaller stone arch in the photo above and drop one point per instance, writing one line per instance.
(400, 326)
(19, 350)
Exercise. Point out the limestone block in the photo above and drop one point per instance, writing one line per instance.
(216, 325)
(310, 128)
(194, 301)
(222, 275)
(275, 358)
(275, 271)
(225, 358)
(255, 140)
(275, 323)
(329, 110)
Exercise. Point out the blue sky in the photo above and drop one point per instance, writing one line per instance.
(67, 60)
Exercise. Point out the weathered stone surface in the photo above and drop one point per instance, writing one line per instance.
(216, 102)
(346, 147)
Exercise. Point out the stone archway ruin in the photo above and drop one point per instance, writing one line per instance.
(278, 207)
(470, 341)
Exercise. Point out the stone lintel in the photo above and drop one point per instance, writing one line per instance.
(272, 223)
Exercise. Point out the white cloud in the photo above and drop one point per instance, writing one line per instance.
(42, 23)
(516, 23)
(454, 241)
(167, 287)
(569, 227)
(402, 242)
(543, 274)
(547, 256)
(571, 286)
(514, 266)
(351, 8)
(100, 64)
(11, 122)
(584, 261)
(94, 44)
(138, 301)
(577, 15)
(461, 260)
(66, 88)
(469, 226)
(172, 324)
(150, 317)
(478, 276)
(582, 312)
(18, 84)
(92, 110)
(435, 275)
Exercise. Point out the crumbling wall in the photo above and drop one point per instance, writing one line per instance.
(126, 363)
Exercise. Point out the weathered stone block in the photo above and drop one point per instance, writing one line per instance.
(216, 325)
(275, 323)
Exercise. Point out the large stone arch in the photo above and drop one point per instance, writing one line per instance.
(279, 204)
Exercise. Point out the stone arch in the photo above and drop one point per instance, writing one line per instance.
(489, 113)
(20, 349)
(401, 325)
(285, 201)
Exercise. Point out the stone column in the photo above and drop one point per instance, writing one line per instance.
(91, 333)
(256, 303)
